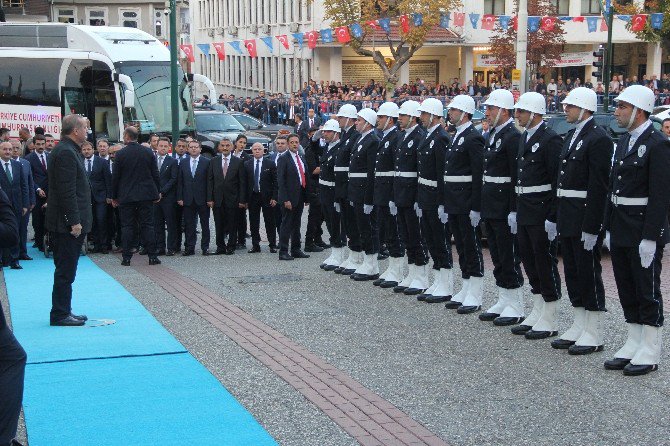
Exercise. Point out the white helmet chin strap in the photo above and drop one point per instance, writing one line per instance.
(530, 120)
(460, 120)
(631, 120)
(495, 121)
(581, 115)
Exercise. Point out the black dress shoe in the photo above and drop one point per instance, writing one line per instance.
(637, 370)
(506, 321)
(241, 246)
(347, 272)
(230, 251)
(413, 291)
(399, 289)
(585, 349)
(616, 363)
(561, 344)
(219, 251)
(205, 252)
(154, 261)
(125, 262)
(300, 255)
(187, 253)
(15, 266)
(535, 334)
(521, 329)
(285, 257)
(161, 252)
(432, 299)
(452, 305)
(143, 251)
(381, 256)
(273, 249)
(364, 277)
(488, 317)
(81, 317)
(313, 248)
(338, 270)
(170, 253)
(467, 309)
(254, 249)
(25, 257)
(378, 282)
(388, 284)
(68, 321)
(321, 244)
(330, 267)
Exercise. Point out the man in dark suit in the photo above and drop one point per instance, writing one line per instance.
(100, 179)
(39, 163)
(301, 129)
(260, 191)
(312, 119)
(226, 195)
(292, 183)
(180, 153)
(192, 197)
(68, 216)
(241, 219)
(28, 173)
(164, 210)
(281, 147)
(135, 187)
(313, 240)
(15, 184)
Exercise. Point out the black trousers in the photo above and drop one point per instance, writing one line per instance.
(468, 246)
(12, 372)
(504, 254)
(138, 215)
(256, 204)
(11, 254)
(388, 231)
(367, 228)
(23, 234)
(225, 223)
(66, 251)
(192, 213)
(290, 228)
(278, 214)
(100, 225)
(539, 258)
(639, 288)
(409, 228)
(113, 226)
(179, 225)
(436, 239)
(583, 273)
(333, 219)
(241, 225)
(164, 217)
(314, 218)
(38, 220)
(348, 217)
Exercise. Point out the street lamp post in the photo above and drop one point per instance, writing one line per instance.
(522, 42)
(174, 72)
(609, 50)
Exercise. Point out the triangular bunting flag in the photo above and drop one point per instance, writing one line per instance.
(220, 49)
(357, 31)
(459, 19)
(385, 24)
(565, 18)
(342, 33)
(418, 19)
(603, 24)
(268, 41)
(204, 47)
(374, 24)
(625, 18)
(236, 46)
(533, 24)
(504, 22)
(579, 19)
(444, 21)
(657, 20)
(488, 21)
(474, 18)
(283, 39)
(250, 45)
(326, 35)
(300, 38)
(188, 52)
(592, 23)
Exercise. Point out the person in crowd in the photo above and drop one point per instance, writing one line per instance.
(164, 211)
(100, 180)
(260, 194)
(192, 196)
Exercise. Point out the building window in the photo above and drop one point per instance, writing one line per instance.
(562, 7)
(66, 16)
(129, 18)
(590, 7)
(13, 3)
(96, 16)
(495, 7)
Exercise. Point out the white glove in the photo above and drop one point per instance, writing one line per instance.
(606, 242)
(337, 207)
(351, 203)
(589, 240)
(475, 218)
(393, 209)
(444, 218)
(511, 221)
(367, 209)
(550, 229)
(417, 209)
(647, 250)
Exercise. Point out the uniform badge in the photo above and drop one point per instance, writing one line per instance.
(535, 147)
(410, 144)
(432, 143)
(579, 145)
(386, 146)
(460, 141)
(641, 150)
(360, 146)
(498, 143)
(346, 141)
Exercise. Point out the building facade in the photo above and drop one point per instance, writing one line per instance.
(26, 10)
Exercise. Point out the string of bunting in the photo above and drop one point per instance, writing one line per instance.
(344, 34)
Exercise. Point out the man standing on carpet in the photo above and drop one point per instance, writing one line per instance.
(69, 216)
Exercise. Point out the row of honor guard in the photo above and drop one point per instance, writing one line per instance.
(396, 176)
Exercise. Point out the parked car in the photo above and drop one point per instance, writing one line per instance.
(558, 123)
(213, 125)
(269, 130)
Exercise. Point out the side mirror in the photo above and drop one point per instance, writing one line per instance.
(129, 99)
(128, 90)
(246, 126)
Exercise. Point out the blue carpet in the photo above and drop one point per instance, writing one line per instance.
(144, 401)
(95, 294)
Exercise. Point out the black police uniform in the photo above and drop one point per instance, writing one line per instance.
(463, 167)
(333, 219)
(361, 189)
(537, 173)
(582, 194)
(314, 231)
(430, 195)
(342, 160)
(497, 202)
(640, 173)
(383, 193)
(405, 194)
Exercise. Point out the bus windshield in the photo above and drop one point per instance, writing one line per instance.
(152, 111)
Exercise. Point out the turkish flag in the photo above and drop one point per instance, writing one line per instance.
(312, 37)
(284, 40)
(188, 51)
(488, 21)
(579, 19)
(603, 24)
(459, 18)
(220, 49)
(342, 33)
(638, 22)
(548, 23)
(250, 45)
(404, 23)
(373, 24)
(515, 23)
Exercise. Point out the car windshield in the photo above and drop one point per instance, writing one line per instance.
(248, 120)
(217, 122)
(560, 125)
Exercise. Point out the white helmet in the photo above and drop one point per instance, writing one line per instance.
(432, 106)
(410, 108)
(463, 103)
(388, 109)
(369, 115)
(638, 96)
(582, 97)
(347, 111)
(501, 98)
(532, 102)
(331, 125)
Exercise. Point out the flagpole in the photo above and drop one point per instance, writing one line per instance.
(609, 16)
(522, 42)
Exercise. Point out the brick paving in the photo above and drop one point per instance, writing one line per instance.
(363, 414)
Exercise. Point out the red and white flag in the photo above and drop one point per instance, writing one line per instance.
(603, 24)
(312, 37)
(548, 23)
(220, 49)
(488, 21)
(250, 45)
(283, 39)
(638, 22)
(342, 33)
(404, 23)
(459, 18)
(188, 52)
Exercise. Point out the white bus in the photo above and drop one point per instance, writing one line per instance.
(113, 76)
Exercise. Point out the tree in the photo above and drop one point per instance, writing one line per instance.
(544, 46)
(648, 34)
(347, 12)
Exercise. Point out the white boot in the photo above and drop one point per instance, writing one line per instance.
(356, 262)
(394, 271)
(497, 308)
(328, 259)
(632, 344)
(404, 284)
(444, 286)
(546, 324)
(436, 280)
(348, 261)
(387, 271)
(368, 270)
(649, 351)
(574, 332)
(513, 312)
(473, 300)
(334, 259)
(420, 281)
(341, 256)
(591, 339)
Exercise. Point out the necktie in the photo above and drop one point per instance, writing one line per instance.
(88, 166)
(303, 182)
(8, 171)
(194, 164)
(257, 176)
(225, 166)
(311, 123)
(44, 164)
(160, 162)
